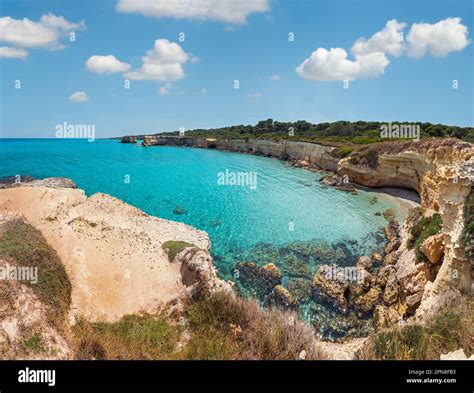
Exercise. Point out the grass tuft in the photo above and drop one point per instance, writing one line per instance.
(24, 245)
(143, 336)
(423, 229)
(174, 247)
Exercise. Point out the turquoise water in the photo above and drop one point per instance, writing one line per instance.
(287, 209)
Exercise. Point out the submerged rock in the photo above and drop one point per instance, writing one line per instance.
(261, 279)
(179, 210)
(295, 267)
(301, 289)
(333, 326)
(280, 297)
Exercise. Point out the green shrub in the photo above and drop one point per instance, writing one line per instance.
(342, 152)
(174, 247)
(423, 229)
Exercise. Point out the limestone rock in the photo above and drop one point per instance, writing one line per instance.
(385, 317)
(260, 278)
(282, 298)
(364, 263)
(128, 139)
(433, 248)
(391, 292)
(330, 285)
(456, 355)
(366, 302)
(199, 273)
(377, 257)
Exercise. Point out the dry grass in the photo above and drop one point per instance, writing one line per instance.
(144, 336)
(448, 331)
(229, 327)
(23, 245)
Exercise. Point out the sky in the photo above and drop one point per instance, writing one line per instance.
(138, 66)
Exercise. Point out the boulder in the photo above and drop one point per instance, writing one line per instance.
(385, 317)
(381, 275)
(433, 248)
(456, 355)
(377, 257)
(280, 297)
(366, 302)
(330, 284)
(261, 278)
(364, 263)
(390, 294)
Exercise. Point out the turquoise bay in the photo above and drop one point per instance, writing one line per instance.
(288, 206)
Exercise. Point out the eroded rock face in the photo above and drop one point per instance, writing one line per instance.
(199, 273)
(442, 172)
(433, 248)
(28, 181)
(128, 139)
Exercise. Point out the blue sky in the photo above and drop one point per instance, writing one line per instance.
(220, 50)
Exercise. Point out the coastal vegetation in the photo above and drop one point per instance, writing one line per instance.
(423, 229)
(23, 245)
(450, 329)
(222, 327)
(337, 133)
(174, 247)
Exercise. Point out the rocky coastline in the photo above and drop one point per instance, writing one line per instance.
(425, 267)
(405, 288)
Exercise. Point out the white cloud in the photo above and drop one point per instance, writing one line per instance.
(106, 65)
(229, 11)
(78, 96)
(162, 63)
(27, 33)
(370, 55)
(13, 53)
(438, 39)
(333, 65)
(388, 40)
(60, 23)
(274, 77)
